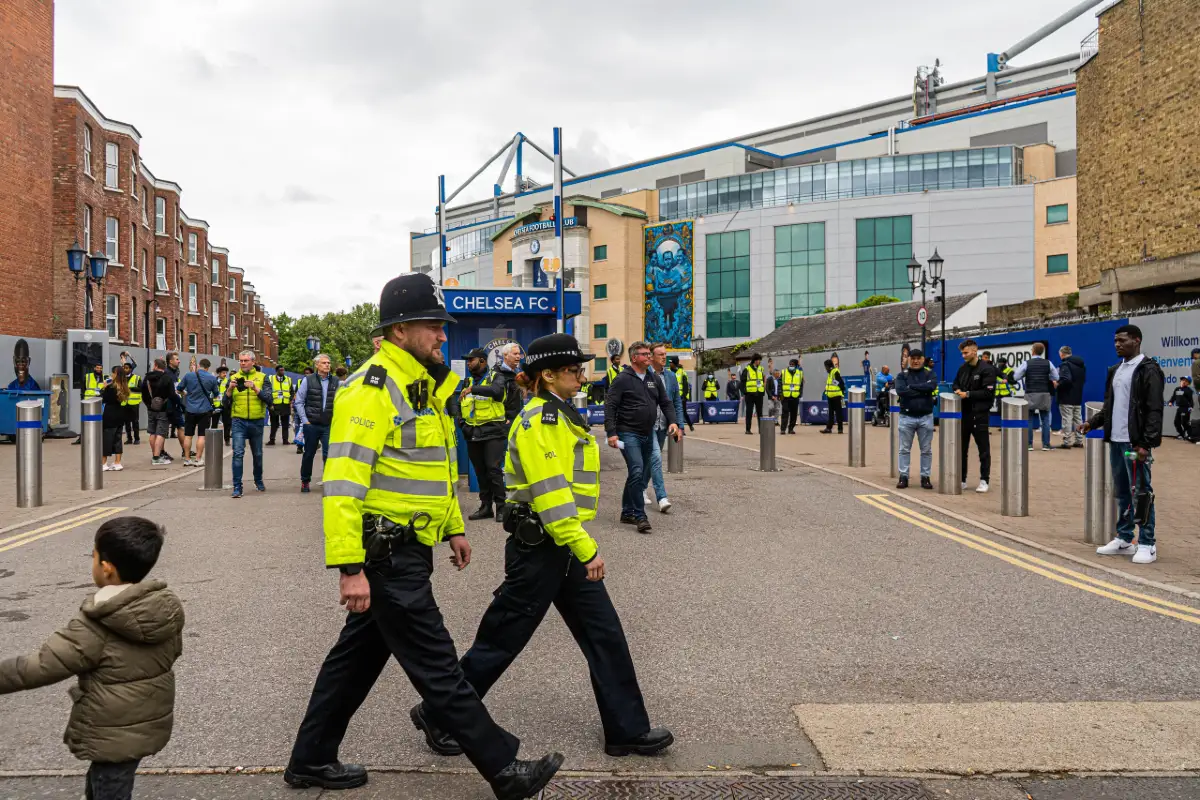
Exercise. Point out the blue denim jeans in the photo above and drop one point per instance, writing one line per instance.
(1123, 481)
(638, 452)
(247, 430)
(923, 428)
(657, 440)
(313, 436)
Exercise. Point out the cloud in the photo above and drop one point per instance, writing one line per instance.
(298, 194)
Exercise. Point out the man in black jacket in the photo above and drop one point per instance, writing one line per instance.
(630, 410)
(483, 412)
(975, 383)
(1072, 373)
(1183, 401)
(915, 387)
(1132, 422)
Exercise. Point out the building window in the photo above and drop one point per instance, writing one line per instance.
(112, 308)
(600, 331)
(601, 365)
(110, 240)
(232, 289)
(145, 277)
(1056, 215)
(192, 307)
(884, 250)
(191, 343)
(160, 274)
(508, 268)
(112, 155)
(191, 248)
(232, 326)
(160, 215)
(216, 272)
(799, 270)
(133, 176)
(146, 207)
(216, 313)
(87, 150)
(87, 229)
(160, 333)
(728, 276)
(133, 329)
(1057, 265)
(600, 252)
(600, 291)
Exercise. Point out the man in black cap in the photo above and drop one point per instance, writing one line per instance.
(482, 413)
(389, 500)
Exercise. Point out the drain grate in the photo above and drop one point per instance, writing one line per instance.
(737, 789)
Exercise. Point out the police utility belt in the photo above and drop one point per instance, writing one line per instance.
(381, 534)
(523, 523)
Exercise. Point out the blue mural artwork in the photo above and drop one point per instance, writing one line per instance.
(668, 307)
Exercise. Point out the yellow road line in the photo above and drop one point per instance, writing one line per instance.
(1112, 587)
(60, 527)
(1083, 582)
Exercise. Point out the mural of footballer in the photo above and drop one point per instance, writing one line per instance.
(669, 284)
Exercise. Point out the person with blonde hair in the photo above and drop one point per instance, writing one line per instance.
(114, 396)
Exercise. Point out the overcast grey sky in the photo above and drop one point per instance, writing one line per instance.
(310, 133)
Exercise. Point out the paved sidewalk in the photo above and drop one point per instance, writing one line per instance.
(1055, 493)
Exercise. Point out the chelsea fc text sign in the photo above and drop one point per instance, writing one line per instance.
(545, 225)
(509, 301)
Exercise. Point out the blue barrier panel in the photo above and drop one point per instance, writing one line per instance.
(692, 412)
(8, 409)
(814, 412)
(721, 410)
(595, 415)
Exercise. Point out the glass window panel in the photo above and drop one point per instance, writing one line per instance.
(1004, 154)
(727, 244)
(806, 184)
(904, 177)
(901, 230)
(818, 177)
(866, 275)
(713, 287)
(883, 252)
(742, 283)
(930, 171)
(816, 257)
(727, 284)
(975, 175)
(872, 176)
(960, 169)
(769, 189)
(883, 275)
(845, 181)
(945, 170)
(799, 238)
(756, 189)
(742, 262)
(866, 232)
(816, 278)
(831, 181)
(975, 157)
(991, 156)
(866, 252)
(783, 281)
(799, 258)
(816, 236)
(712, 244)
(783, 259)
(713, 306)
(783, 239)
(858, 172)
(883, 231)
(886, 176)
(1056, 265)
(1056, 214)
(742, 243)
(900, 282)
(903, 251)
(793, 185)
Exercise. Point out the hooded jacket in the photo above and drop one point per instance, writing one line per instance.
(122, 645)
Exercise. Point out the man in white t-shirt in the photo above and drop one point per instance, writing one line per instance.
(1132, 423)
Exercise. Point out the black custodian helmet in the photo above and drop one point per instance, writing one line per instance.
(554, 351)
(411, 297)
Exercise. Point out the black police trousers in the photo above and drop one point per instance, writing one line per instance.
(791, 410)
(754, 403)
(487, 457)
(535, 578)
(404, 621)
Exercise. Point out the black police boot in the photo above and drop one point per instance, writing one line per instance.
(483, 512)
(522, 779)
(438, 740)
(327, 776)
(500, 513)
(652, 741)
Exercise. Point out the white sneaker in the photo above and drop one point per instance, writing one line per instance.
(649, 500)
(1031, 448)
(664, 505)
(982, 487)
(117, 468)
(1117, 547)
(1146, 554)
(107, 467)
(964, 486)
(187, 462)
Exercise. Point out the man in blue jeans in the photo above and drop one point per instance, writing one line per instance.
(630, 409)
(914, 392)
(248, 396)
(658, 365)
(314, 407)
(1132, 423)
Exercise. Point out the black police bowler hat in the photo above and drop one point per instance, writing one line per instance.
(411, 297)
(478, 352)
(554, 351)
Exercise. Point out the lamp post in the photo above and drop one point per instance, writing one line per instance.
(698, 353)
(313, 344)
(96, 267)
(918, 277)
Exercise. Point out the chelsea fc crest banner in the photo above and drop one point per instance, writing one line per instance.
(668, 307)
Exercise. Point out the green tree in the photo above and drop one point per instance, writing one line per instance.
(342, 334)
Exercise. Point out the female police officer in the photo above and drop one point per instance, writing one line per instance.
(552, 472)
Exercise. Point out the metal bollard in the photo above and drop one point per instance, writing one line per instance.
(894, 431)
(949, 437)
(580, 402)
(92, 452)
(1099, 499)
(856, 411)
(674, 455)
(766, 444)
(29, 454)
(214, 459)
(1014, 457)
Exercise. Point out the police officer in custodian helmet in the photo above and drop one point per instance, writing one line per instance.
(389, 500)
(552, 472)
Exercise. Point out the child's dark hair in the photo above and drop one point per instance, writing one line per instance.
(131, 544)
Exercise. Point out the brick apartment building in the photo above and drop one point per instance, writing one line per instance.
(70, 175)
(1139, 156)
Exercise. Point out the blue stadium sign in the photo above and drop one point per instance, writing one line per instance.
(530, 302)
(547, 225)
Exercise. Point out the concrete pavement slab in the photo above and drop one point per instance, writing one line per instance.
(974, 789)
(1114, 788)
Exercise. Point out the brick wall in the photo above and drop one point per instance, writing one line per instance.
(26, 164)
(1139, 143)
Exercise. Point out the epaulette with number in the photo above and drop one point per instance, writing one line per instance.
(549, 414)
(376, 376)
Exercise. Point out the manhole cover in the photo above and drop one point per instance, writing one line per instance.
(738, 789)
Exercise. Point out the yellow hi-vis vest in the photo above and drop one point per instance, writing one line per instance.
(480, 410)
(387, 458)
(554, 465)
(792, 381)
(281, 390)
(832, 387)
(711, 389)
(135, 391)
(754, 380)
(685, 394)
(92, 385)
(1003, 389)
(222, 387)
(246, 404)
(612, 374)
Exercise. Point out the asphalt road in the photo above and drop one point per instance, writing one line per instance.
(756, 594)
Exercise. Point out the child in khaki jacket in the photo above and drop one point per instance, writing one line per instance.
(122, 646)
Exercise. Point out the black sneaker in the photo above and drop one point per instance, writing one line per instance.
(628, 520)
(522, 779)
(902, 483)
(643, 526)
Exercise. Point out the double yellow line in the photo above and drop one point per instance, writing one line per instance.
(57, 527)
(1033, 564)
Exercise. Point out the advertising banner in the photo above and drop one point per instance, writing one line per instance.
(721, 410)
(668, 265)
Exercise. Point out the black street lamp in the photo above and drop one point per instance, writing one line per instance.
(919, 279)
(96, 266)
(313, 344)
(698, 352)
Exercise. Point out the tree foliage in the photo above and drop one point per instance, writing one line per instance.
(342, 334)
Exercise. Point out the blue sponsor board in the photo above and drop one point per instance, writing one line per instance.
(721, 410)
(692, 412)
(595, 415)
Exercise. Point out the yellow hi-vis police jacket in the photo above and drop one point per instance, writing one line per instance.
(553, 463)
(387, 458)
(792, 381)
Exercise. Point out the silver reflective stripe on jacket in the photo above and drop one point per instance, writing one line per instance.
(357, 452)
(387, 483)
(558, 513)
(344, 489)
(415, 454)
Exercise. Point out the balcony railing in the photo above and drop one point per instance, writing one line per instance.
(1089, 47)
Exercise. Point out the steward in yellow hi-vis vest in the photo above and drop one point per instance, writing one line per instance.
(835, 390)
(754, 384)
(793, 386)
(281, 402)
(389, 500)
(552, 471)
(482, 414)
